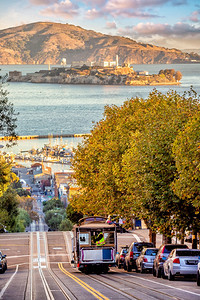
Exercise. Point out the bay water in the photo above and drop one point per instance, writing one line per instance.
(73, 109)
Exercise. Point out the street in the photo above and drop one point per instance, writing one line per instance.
(39, 268)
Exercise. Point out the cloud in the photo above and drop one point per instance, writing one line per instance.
(93, 14)
(195, 16)
(152, 29)
(111, 25)
(64, 9)
(164, 34)
(42, 2)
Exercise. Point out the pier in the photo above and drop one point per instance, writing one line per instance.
(32, 137)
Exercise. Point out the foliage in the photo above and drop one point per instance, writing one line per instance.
(54, 218)
(186, 151)
(66, 225)
(52, 204)
(73, 215)
(23, 220)
(8, 209)
(7, 116)
(5, 175)
(127, 166)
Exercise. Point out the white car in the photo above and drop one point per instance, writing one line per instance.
(181, 262)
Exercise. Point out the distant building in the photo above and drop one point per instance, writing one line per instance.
(63, 62)
(15, 74)
(142, 73)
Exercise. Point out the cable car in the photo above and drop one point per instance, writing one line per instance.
(94, 245)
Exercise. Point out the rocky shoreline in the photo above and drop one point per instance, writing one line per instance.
(97, 76)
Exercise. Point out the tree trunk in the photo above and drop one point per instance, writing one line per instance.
(194, 239)
(167, 239)
(152, 237)
(182, 236)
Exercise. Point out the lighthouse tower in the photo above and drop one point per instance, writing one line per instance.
(117, 61)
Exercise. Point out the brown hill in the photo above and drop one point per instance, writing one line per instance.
(46, 42)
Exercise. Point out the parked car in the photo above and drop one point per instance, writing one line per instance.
(145, 260)
(181, 262)
(162, 255)
(133, 252)
(198, 273)
(3, 263)
(120, 257)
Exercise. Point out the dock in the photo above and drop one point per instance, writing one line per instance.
(32, 137)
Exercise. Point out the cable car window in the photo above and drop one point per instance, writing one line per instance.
(109, 238)
(84, 238)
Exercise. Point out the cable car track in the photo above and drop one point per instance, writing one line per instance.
(131, 283)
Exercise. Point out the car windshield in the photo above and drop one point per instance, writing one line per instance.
(151, 252)
(187, 253)
(169, 248)
(139, 247)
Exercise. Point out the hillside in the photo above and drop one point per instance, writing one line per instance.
(45, 42)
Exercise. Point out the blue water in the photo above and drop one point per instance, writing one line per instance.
(54, 108)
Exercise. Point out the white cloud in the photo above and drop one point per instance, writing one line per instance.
(111, 25)
(65, 9)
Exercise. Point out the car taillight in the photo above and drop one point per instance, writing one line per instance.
(131, 254)
(161, 257)
(145, 259)
(176, 261)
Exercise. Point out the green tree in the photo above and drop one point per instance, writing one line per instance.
(186, 185)
(73, 215)
(65, 225)
(126, 166)
(9, 207)
(52, 204)
(23, 220)
(7, 115)
(54, 218)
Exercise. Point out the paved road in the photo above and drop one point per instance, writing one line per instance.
(39, 268)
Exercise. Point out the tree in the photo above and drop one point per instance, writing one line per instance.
(73, 215)
(7, 116)
(126, 166)
(186, 150)
(52, 204)
(9, 207)
(178, 76)
(54, 218)
(66, 225)
(23, 220)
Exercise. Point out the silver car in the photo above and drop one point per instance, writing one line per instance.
(181, 262)
(145, 260)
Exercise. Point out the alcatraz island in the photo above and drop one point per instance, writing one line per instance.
(98, 75)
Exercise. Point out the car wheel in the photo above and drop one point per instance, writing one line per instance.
(125, 268)
(119, 265)
(129, 269)
(5, 267)
(158, 273)
(198, 279)
(141, 269)
(170, 276)
(136, 269)
(154, 272)
(163, 274)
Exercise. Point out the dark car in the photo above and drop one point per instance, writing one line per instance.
(3, 263)
(133, 252)
(120, 257)
(161, 257)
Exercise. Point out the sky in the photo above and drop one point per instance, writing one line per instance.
(167, 23)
